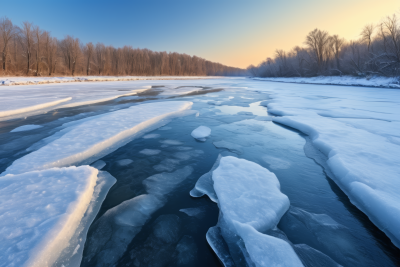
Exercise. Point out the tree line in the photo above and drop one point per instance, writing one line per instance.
(29, 50)
(376, 52)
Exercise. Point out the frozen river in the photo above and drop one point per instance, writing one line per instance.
(334, 150)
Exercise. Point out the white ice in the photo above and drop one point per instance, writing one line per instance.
(27, 127)
(343, 80)
(357, 130)
(98, 135)
(40, 212)
(201, 133)
(250, 206)
(150, 136)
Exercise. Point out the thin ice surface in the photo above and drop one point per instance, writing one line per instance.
(40, 211)
(97, 133)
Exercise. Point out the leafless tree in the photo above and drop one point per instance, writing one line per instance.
(7, 32)
(27, 43)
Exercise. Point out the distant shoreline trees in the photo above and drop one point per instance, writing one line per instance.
(376, 52)
(31, 51)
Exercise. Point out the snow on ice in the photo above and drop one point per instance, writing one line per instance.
(40, 211)
(357, 129)
(249, 207)
(98, 135)
(201, 133)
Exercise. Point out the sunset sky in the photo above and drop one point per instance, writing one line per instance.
(233, 32)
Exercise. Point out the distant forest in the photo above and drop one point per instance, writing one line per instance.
(30, 51)
(376, 52)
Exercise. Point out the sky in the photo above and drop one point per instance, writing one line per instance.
(232, 32)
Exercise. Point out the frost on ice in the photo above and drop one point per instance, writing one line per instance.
(201, 133)
(93, 137)
(40, 211)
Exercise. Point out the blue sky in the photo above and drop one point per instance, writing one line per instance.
(233, 32)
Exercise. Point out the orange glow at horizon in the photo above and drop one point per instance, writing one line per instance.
(346, 21)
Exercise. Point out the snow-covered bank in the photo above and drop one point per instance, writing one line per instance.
(336, 80)
(40, 212)
(7, 81)
(88, 139)
(357, 132)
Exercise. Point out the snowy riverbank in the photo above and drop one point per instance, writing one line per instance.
(375, 81)
(7, 81)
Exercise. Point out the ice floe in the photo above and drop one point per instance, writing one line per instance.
(356, 130)
(26, 128)
(98, 135)
(249, 207)
(41, 211)
(201, 133)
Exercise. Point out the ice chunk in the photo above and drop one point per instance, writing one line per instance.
(218, 245)
(201, 133)
(312, 257)
(195, 212)
(205, 184)
(98, 164)
(166, 165)
(165, 128)
(247, 208)
(228, 145)
(40, 212)
(163, 183)
(27, 127)
(98, 136)
(71, 256)
(149, 136)
(124, 162)
(322, 232)
(265, 250)
(276, 163)
(150, 152)
(171, 142)
(113, 231)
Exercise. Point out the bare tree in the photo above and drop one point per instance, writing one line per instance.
(27, 42)
(366, 34)
(7, 32)
(37, 32)
(336, 44)
(89, 53)
(318, 40)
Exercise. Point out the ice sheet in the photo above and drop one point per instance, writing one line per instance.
(40, 212)
(97, 135)
(249, 207)
(390, 82)
(357, 130)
